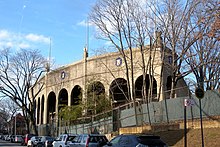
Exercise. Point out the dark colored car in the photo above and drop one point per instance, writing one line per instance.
(89, 140)
(47, 141)
(132, 140)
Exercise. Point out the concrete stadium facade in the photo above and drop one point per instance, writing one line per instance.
(66, 84)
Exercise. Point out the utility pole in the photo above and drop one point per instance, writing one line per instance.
(15, 123)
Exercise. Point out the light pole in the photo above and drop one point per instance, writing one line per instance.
(15, 132)
(199, 93)
(15, 123)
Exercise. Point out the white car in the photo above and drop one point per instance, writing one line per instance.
(34, 141)
(63, 140)
(29, 143)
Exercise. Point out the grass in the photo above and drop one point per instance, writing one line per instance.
(176, 138)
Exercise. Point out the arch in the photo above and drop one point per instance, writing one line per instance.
(42, 109)
(51, 105)
(95, 95)
(118, 91)
(139, 86)
(169, 83)
(76, 95)
(62, 98)
(38, 110)
(96, 87)
(168, 86)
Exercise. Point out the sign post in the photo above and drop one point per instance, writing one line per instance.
(199, 92)
(187, 102)
(185, 128)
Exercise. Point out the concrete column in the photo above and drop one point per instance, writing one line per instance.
(45, 101)
(84, 94)
(69, 97)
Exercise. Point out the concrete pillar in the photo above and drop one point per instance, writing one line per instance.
(45, 100)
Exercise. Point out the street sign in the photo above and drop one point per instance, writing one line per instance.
(199, 92)
(189, 102)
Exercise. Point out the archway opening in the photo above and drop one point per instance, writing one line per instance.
(38, 111)
(51, 106)
(62, 99)
(96, 97)
(76, 95)
(119, 92)
(168, 87)
(151, 88)
(42, 110)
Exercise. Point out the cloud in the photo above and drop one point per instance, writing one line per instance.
(16, 40)
(37, 38)
(24, 45)
(4, 34)
(84, 23)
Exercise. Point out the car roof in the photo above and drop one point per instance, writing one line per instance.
(144, 135)
(69, 134)
(93, 134)
(46, 136)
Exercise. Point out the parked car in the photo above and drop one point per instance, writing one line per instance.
(132, 140)
(35, 141)
(5, 137)
(8, 137)
(63, 140)
(47, 141)
(26, 138)
(17, 138)
(89, 140)
(12, 138)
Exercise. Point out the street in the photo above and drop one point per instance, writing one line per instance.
(4, 143)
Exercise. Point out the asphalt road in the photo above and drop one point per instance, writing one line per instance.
(4, 143)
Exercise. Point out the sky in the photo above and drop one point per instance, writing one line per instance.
(59, 25)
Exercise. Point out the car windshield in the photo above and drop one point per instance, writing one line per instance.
(50, 138)
(36, 138)
(96, 139)
(44, 138)
(70, 138)
(150, 140)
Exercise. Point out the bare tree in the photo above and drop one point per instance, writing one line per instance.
(203, 56)
(123, 23)
(176, 19)
(130, 24)
(8, 109)
(4, 115)
(127, 25)
(19, 72)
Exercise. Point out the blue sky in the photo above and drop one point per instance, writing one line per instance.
(31, 24)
